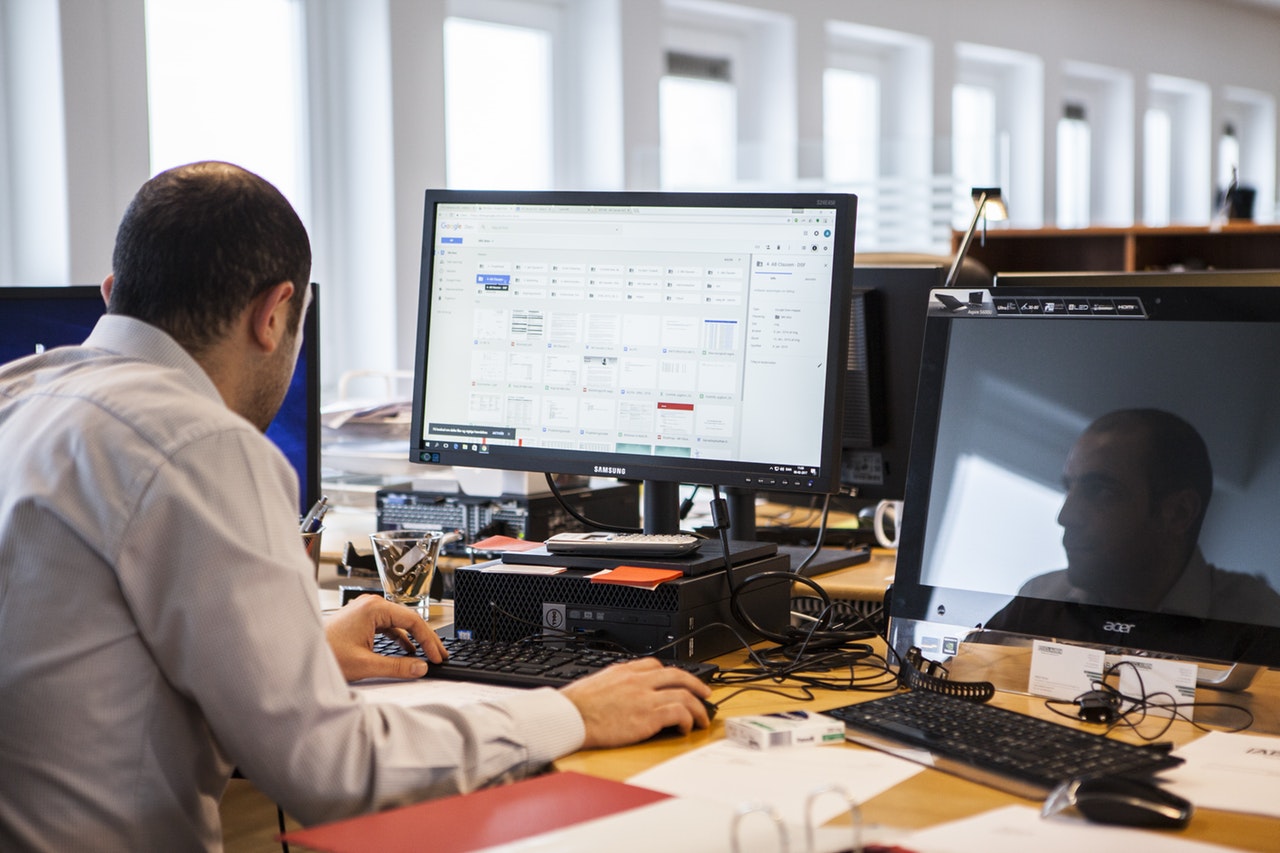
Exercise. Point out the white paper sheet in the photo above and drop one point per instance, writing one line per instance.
(732, 774)
(1018, 829)
(1233, 772)
(679, 825)
(427, 691)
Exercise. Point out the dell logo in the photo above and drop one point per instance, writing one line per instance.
(1118, 627)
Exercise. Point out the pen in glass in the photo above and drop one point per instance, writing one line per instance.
(317, 511)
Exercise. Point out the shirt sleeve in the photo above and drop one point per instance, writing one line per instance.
(232, 620)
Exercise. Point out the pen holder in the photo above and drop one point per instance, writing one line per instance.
(407, 562)
(311, 542)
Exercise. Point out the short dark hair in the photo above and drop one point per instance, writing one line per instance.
(1177, 457)
(198, 243)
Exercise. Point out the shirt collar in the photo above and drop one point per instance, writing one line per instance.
(135, 339)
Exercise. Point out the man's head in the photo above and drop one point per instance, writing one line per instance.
(1138, 484)
(199, 250)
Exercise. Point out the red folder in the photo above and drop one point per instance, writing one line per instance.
(482, 819)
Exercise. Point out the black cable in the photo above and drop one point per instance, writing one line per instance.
(1142, 706)
(822, 533)
(284, 845)
(586, 522)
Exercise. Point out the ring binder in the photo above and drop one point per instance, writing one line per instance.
(747, 809)
(810, 831)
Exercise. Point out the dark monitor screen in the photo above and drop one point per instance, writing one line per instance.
(665, 337)
(886, 320)
(1097, 465)
(33, 319)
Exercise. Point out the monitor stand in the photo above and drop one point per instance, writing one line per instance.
(1236, 678)
(742, 527)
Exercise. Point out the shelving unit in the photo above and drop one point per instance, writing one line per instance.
(1234, 246)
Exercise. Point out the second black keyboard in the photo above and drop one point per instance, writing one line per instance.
(1014, 752)
(526, 663)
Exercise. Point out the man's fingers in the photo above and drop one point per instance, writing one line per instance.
(375, 665)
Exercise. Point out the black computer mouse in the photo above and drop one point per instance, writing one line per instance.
(1130, 802)
(673, 731)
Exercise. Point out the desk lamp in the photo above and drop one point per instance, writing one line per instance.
(987, 204)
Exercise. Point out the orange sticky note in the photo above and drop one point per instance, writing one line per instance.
(637, 576)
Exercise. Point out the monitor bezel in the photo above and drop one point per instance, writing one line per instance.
(912, 604)
(659, 469)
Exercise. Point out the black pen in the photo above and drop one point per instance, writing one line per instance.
(314, 515)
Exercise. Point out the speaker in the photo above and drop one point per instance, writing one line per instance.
(683, 619)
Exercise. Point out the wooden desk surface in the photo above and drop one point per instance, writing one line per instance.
(932, 797)
(864, 582)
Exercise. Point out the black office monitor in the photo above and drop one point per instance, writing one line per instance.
(665, 337)
(33, 319)
(1004, 533)
(886, 319)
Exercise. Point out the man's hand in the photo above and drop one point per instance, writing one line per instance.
(351, 630)
(631, 701)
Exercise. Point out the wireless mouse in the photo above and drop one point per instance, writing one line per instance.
(1121, 801)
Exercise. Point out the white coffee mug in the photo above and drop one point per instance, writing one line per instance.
(888, 514)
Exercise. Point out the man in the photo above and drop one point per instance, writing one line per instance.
(158, 616)
(1138, 485)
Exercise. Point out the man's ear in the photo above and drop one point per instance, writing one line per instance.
(269, 317)
(108, 283)
(1181, 509)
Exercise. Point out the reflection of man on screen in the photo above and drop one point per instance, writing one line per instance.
(1138, 484)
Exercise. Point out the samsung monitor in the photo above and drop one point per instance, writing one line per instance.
(1097, 465)
(672, 338)
(33, 319)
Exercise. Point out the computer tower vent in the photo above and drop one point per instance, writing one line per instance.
(860, 393)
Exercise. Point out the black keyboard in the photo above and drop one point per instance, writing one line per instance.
(526, 663)
(1023, 755)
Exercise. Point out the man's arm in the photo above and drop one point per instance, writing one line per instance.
(619, 705)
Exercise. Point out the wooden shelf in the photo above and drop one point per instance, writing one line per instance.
(1233, 247)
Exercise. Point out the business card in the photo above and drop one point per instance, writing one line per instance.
(1060, 671)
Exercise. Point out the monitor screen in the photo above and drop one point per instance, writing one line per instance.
(33, 319)
(887, 332)
(665, 337)
(1097, 465)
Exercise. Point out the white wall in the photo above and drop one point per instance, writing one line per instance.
(374, 157)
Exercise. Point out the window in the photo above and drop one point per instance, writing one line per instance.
(498, 106)
(1228, 156)
(1184, 149)
(727, 98)
(698, 122)
(1251, 146)
(225, 82)
(34, 234)
(974, 139)
(850, 126)
(877, 136)
(1096, 137)
(997, 126)
(1157, 167)
(1074, 172)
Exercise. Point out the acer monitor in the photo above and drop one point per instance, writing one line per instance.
(1097, 465)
